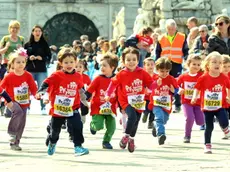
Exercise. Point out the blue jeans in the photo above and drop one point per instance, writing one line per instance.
(142, 56)
(40, 77)
(161, 118)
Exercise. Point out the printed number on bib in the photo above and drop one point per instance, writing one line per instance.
(162, 101)
(105, 109)
(212, 100)
(21, 95)
(189, 89)
(137, 101)
(63, 106)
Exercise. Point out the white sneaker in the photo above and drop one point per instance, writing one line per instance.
(12, 138)
(43, 112)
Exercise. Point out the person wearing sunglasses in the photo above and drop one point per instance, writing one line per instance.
(201, 42)
(220, 41)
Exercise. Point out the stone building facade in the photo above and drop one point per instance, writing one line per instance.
(66, 20)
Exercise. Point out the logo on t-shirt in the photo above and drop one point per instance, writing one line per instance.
(69, 90)
(135, 87)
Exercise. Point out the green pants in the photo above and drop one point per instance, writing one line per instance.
(97, 124)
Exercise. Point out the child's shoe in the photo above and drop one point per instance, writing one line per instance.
(63, 126)
(92, 131)
(144, 118)
(15, 147)
(202, 127)
(47, 140)
(107, 145)
(131, 145)
(177, 109)
(154, 131)
(208, 149)
(226, 134)
(161, 139)
(187, 139)
(124, 141)
(51, 149)
(150, 125)
(79, 150)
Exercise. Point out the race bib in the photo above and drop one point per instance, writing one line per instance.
(189, 89)
(63, 106)
(21, 95)
(105, 109)
(212, 100)
(137, 101)
(162, 101)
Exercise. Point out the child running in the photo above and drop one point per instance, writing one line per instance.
(161, 97)
(186, 82)
(132, 81)
(103, 112)
(214, 94)
(18, 84)
(81, 68)
(149, 67)
(64, 88)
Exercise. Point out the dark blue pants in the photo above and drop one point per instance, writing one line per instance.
(76, 124)
(221, 115)
(176, 72)
(133, 120)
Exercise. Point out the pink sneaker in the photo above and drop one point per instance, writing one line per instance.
(124, 142)
(208, 149)
(131, 145)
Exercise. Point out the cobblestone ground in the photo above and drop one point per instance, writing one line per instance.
(149, 156)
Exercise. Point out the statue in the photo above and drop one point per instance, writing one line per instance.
(147, 4)
(143, 19)
(119, 27)
(190, 5)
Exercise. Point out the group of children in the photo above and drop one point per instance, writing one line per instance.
(133, 90)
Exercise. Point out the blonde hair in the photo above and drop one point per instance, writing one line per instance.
(12, 57)
(207, 60)
(14, 23)
(225, 58)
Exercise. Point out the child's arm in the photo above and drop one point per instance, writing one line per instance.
(41, 91)
(83, 97)
(112, 86)
(195, 96)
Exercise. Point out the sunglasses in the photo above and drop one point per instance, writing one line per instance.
(219, 24)
(202, 31)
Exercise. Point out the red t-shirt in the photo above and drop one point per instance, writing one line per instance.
(86, 79)
(98, 88)
(162, 96)
(147, 90)
(19, 87)
(145, 40)
(213, 91)
(64, 93)
(132, 87)
(187, 82)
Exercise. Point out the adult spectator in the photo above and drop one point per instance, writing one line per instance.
(201, 42)
(84, 38)
(173, 45)
(194, 32)
(192, 22)
(39, 55)
(220, 40)
(11, 42)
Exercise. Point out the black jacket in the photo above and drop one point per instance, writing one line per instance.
(217, 44)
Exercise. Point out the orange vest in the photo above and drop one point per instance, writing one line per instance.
(173, 51)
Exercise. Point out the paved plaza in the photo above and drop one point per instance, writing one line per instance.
(149, 156)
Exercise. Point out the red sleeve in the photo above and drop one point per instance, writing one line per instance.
(150, 41)
(88, 81)
(180, 80)
(32, 85)
(93, 86)
(80, 81)
(51, 79)
(198, 85)
(227, 82)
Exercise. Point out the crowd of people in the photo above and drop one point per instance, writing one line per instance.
(144, 74)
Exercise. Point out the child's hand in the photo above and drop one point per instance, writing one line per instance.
(159, 82)
(181, 91)
(228, 100)
(9, 105)
(45, 101)
(193, 101)
(172, 89)
(38, 96)
(107, 98)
